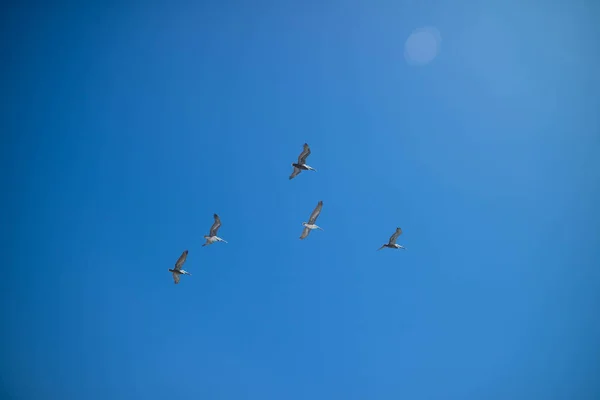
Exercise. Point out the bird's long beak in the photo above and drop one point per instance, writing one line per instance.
(380, 248)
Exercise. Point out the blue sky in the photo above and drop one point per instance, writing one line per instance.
(127, 127)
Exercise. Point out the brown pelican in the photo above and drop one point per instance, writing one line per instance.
(301, 164)
(310, 225)
(212, 236)
(392, 243)
(177, 270)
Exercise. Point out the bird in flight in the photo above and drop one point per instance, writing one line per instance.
(392, 242)
(301, 164)
(212, 236)
(310, 225)
(177, 270)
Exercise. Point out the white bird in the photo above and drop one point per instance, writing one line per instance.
(178, 271)
(310, 225)
(301, 164)
(212, 236)
(392, 243)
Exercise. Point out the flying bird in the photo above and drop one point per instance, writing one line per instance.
(310, 225)
(392, 243)
(177, 270)
(301, 164)
(212, 236)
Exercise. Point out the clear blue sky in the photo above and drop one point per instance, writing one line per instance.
(126, 127)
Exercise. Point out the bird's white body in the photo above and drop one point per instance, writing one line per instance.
(308, 167)
(212, 239)
(399, 246)
(312, 226)
(181, 271)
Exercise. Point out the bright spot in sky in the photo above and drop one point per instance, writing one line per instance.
(422, 46)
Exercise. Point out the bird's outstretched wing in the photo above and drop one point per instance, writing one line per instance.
(305, 233)
(305, 153)
(315, 213)
(215, 226)
(181, 260)
(176, 277)
(295, 172)
(395, 236)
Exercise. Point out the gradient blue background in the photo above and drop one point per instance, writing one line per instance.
(125, 127)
